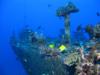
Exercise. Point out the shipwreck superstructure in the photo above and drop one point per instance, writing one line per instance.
(41, 55)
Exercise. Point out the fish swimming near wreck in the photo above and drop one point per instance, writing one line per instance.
(98, 13)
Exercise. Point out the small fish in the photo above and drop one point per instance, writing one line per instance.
(39, 27)
(45, 55)
(49, 5)
(79, 28)
(98, 13)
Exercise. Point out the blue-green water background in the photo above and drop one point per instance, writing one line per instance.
(15, 14)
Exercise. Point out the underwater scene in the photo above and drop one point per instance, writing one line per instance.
(50, 37)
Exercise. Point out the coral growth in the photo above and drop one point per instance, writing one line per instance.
(65, 12)
(93, 31)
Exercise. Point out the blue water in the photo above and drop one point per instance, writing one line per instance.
(15, 14)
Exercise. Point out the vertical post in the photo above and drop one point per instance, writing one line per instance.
(67, 29)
